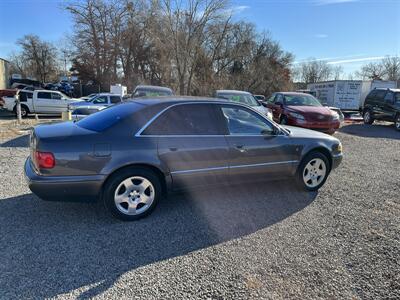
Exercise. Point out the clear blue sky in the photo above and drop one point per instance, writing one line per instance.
(345, 32)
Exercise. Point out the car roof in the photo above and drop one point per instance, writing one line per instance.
(154, 87)
(387, 89)
(107, 94)
(293, 93)
(170, 100)
(231, 92)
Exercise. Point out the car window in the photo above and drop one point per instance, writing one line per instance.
(241, 121)
(241, 98)
(56, 96)
(115, 99)
(271, 99)
(389, 97)
(108, 117)
(279, 98)
(380, 94)
(372, 94)
(188, 119)
(44, 95)
(397, 97)
(151, 93)
(301, 100)
(100, 100)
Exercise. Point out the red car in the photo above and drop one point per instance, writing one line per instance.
(303, 110)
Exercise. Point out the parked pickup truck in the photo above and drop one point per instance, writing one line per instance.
(39, 102)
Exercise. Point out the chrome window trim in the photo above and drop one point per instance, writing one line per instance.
(235, 167)
(148, 123)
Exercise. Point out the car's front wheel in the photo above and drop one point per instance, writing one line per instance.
(132, 193)
(397, 122)
(313, 171)
(368, 119)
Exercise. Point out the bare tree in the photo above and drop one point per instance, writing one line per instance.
(314, 71)
(38, 58)
(374, 71)
(386, 69)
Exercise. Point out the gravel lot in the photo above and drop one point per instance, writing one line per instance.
(248, 242)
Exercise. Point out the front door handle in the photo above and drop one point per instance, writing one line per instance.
(241, 148)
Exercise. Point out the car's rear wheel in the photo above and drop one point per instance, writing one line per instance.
(397, 122)
(132, 193)
(313, 171)
(367, 116)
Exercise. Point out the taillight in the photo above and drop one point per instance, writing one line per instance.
(44, 160)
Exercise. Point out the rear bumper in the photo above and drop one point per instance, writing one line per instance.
(63, 188)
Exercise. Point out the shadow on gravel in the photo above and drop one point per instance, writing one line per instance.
(21, 141)
(384, 130)
(51, 248)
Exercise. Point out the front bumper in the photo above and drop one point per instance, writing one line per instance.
(336, 160)
(328, 127)
(63, 188)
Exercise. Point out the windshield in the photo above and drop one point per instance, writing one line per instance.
(301, 100)
(241, 98)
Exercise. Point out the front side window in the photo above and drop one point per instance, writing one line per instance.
(188, 119)
(44, 95)
(56, 96)
(397, 97)
(389, 97)
(380, 94)
(100, 100)
(241, 121)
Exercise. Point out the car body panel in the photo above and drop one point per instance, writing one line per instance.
(86, 158)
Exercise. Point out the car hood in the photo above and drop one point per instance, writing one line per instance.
(310, 109)
(307, 133)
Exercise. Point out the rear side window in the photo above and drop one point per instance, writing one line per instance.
(189, 119)
(115, 99)
(108, 117)
(44, 95)
(397, 97)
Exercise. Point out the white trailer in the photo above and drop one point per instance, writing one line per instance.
(346, 94)
(119, 90)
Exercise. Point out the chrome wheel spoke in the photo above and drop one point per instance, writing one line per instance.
(314, 172)
(137, 196)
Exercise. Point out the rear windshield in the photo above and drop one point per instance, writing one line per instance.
(241, 98)
(151, 93)
(108, 117)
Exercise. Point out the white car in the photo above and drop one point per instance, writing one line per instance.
(39, 102)
(103, 99)
(245, 98)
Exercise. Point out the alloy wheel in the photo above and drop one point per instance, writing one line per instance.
(134, 195)
(367, 117)
(397, 122)
(314, 172)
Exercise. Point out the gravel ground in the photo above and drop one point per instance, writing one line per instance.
(267, 241)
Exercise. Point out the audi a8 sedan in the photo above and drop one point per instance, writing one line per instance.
(131, 154)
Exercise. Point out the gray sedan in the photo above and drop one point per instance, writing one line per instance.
(132, 153)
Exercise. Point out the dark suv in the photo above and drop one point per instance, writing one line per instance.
(382, 104)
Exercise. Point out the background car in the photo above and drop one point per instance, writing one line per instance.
(102, 99)
(151, 91)
(260, 98)
(303, 110)
(83, 111)
(245, 98)
(382, 104)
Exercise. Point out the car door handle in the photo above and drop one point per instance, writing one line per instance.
(173, 148)
(241, 148)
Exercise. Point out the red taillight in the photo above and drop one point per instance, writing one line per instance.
(44, 160)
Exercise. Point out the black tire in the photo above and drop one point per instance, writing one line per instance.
(24, 111)
(301, 170)
(114, 182)
(283, 120)
(367, 116)
(397, 122)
